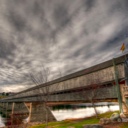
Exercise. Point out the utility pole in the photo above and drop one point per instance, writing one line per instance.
(117, 86)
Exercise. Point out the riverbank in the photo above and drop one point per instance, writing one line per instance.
(74, 123)
(79, 123)
(81, 112)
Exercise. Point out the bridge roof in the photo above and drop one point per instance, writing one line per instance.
(103, 65)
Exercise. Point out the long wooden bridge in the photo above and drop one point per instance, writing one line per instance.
(106, 81)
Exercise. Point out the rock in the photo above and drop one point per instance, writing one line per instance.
(93, 126)
(105, 121)
(122, 115)
(115, 116)
(124, 119)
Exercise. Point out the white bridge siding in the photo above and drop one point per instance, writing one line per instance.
(102, 76)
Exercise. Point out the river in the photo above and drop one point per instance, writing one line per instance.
(75, 112)
(82, 112)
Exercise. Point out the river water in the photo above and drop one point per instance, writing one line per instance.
(82, 112)
(75, 112)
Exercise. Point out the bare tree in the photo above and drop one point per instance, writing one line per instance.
(42, 94)
(91, 91)
(43, 89)
(96, 88)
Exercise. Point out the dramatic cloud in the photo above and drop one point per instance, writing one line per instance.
(65, 35)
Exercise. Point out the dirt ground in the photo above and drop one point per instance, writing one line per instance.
(114, 125)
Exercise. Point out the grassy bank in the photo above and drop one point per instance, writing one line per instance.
(77, 123)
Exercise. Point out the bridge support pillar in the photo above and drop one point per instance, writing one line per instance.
(8, 110)
(19, 112)
(3, 109)
(14, 112)
(124, 102)
(39, 112)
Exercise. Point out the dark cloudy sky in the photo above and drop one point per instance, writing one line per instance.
(64, 35)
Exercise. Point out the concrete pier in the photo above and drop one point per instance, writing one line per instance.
(41, 112)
